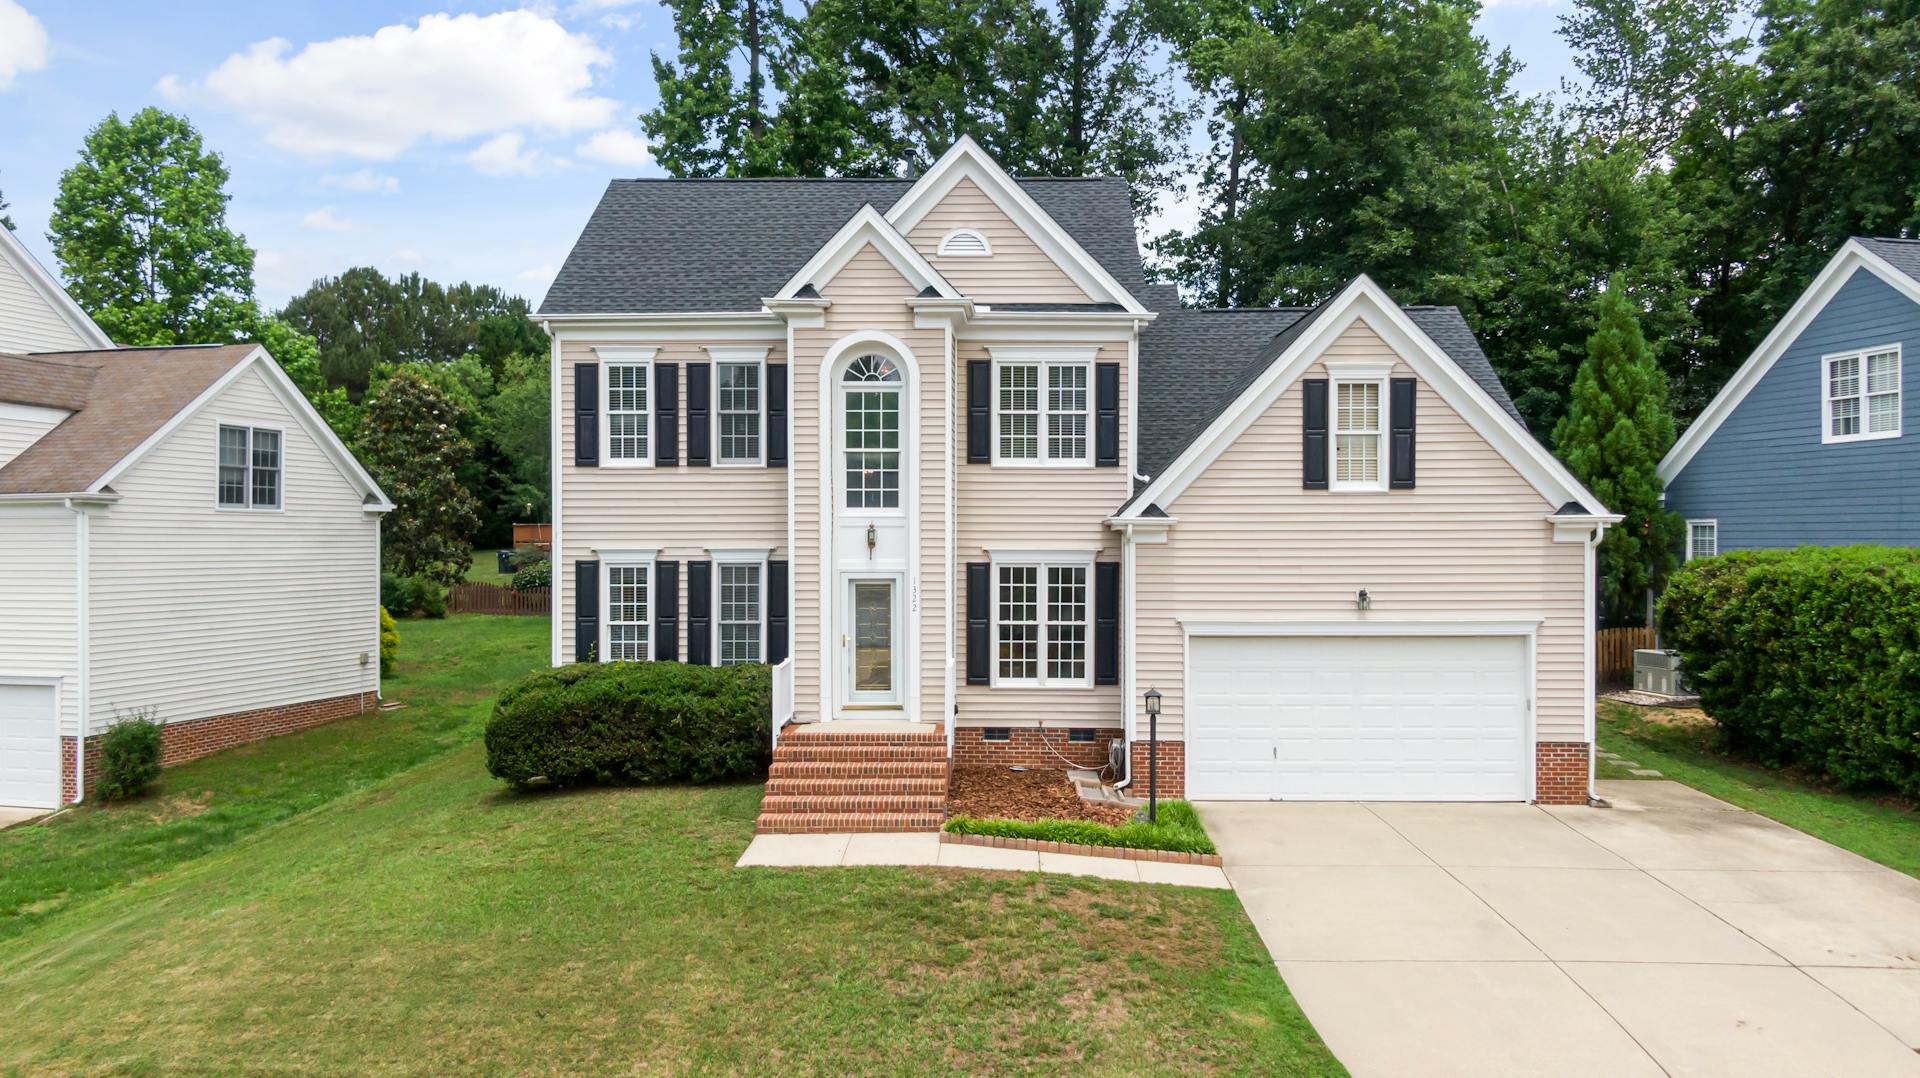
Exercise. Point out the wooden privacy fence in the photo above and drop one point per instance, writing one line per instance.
(1613, 650)
(495, 599)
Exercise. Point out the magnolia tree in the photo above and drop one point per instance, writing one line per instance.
(410, 439)
(1616, 429)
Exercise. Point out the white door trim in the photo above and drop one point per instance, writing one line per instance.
(895, 698)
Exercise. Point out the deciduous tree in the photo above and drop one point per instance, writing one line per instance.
(410, 439)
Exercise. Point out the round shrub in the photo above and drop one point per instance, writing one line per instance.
(398, 593)
(1808, 657)
(430, 597)
(389, 642)
(538, 574)
(129, 757)
(632, 722)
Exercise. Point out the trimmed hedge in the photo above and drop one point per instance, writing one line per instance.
(1808, 657)
(632, 722)
(1178, 830)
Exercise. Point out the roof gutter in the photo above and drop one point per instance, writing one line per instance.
(60, 500)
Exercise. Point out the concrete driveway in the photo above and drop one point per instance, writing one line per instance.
(1670, 933)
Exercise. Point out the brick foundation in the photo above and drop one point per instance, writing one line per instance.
(1561, 772)
(1172, 781)
(183, 741)
(1024, 747)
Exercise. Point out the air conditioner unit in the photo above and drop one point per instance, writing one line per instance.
(1658, 672)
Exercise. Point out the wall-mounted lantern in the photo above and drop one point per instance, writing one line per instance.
(873, 539)
(1362, 600)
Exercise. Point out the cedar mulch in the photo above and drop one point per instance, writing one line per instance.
(995, 793)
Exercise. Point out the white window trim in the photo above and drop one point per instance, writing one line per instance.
(625, 356)
(737, 357)
(1044, 359)
(1339, 374)
(1715, 525)
(623, 559)
(1827, 437)
(946, 244)
(279, 506)
(721, 559)
(842, 387)
(1041, 560)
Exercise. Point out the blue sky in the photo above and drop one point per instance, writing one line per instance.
(464, 141)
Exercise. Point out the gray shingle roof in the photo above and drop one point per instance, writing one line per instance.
(724, 244)
(1193, 363)
(1903, 255)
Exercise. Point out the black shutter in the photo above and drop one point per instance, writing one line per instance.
(776, 415)
(699, 392)
(979, 628)
(979, 411)
(1313, 447)
(699, 603)
(666, 413)
(586, 610)
(1106, 623)
(1400, 466)
(586, 414)
(776, 612)
(666, 610)
(1106, 437)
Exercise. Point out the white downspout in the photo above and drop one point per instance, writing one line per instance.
(82, 539)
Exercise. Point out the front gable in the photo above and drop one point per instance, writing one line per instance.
(990, 258)
(36, 314)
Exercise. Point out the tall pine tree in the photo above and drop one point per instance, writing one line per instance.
(1617, 428)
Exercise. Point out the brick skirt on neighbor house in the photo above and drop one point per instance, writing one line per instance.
(1027, 747)
(190, 740)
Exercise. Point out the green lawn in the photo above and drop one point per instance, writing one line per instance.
(1885, 832)
(431, 922)
(485, 569)
(448, 673)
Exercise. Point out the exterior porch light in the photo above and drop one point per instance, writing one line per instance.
(1362, 600)
(873, 538)
(1153, 755)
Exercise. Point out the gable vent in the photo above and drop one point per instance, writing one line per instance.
(965, 242)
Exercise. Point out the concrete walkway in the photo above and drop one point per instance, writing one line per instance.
(11, 816)
(1672, 933)
(921, 848)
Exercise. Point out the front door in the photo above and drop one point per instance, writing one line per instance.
(873, 677)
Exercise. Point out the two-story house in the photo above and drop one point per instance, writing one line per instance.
(1813, 440)
(937, 451)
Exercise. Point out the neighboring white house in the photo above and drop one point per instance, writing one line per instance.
(185, 538)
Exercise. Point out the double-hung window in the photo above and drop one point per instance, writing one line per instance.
(1703, 538)
(249, 468)
(1862, 398)
(737, 405)
(1042, 406)
(629, 608)
(628, 419)
(1359, 432)
(1043, 612)
(738, 627)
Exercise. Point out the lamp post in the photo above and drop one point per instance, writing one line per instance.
(1153, 755)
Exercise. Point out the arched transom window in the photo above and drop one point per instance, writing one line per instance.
(871, 409)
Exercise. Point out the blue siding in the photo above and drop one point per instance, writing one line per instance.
(1766, 476)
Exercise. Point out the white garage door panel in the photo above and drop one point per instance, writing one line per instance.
(29, 747)
(1422, 718)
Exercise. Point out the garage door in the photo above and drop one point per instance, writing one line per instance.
(1361, 718)
(29, 747)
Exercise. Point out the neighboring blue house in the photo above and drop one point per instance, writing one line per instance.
(1816, 439)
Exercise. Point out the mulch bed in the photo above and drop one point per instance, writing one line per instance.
(999, 794)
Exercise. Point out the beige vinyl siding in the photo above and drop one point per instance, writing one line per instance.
(198, 611)
(1470, 542)
(1018, 271)
(21, 425)
(29, 322)
(1034, 508)
(869, 295)
(39, 607)
(680, 511)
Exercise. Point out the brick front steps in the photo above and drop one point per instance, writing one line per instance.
(857, 780)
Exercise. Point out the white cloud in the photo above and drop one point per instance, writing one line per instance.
(364, 181)
(446, 78)
(23, 42)
(504, 155)
(323, 220)
(617, 147)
